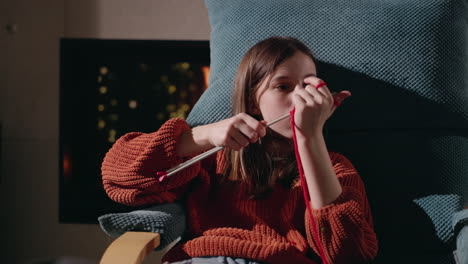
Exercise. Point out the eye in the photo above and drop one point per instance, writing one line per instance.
(282, 87)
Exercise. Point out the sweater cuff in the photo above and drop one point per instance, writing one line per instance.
(170, 134)
(336, 225)
(349, 199)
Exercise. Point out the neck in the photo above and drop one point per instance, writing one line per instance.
(277, 146)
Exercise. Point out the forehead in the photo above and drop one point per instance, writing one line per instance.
(299, 65)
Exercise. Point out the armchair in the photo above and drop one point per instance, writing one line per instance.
(406, 126)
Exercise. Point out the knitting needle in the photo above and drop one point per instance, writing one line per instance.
(163, 174)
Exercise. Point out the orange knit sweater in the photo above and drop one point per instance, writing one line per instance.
(221, 221)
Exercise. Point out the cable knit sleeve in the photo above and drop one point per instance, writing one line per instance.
(130, 166)
(345, 227)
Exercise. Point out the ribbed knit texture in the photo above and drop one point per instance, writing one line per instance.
(221, 221)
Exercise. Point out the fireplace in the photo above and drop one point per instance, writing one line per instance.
(109, 88)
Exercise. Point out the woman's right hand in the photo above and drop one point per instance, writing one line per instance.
(236, 133)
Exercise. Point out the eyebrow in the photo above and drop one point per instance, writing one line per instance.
(287, 77)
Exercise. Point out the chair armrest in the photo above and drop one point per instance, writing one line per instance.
(130, 248)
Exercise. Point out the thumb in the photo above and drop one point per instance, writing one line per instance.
(340, 97)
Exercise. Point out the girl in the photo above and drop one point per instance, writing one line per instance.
(248, 203)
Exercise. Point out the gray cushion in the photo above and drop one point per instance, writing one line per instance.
(166, 219)
(439, 209)
(410, 52)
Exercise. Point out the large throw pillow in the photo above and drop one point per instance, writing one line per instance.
(404, 61)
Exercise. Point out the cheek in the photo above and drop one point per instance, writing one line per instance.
(273, 104)
(273, 110)
(283, 128)
(268, 107)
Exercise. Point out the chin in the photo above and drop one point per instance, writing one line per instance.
(284, 132)
(287, 133)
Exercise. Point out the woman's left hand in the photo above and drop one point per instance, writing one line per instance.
(314, 106)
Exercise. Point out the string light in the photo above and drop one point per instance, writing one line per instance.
(112, 134)
(171, 89)
(186, 107)
(103, 89)
(103, 70)
(185, 65)
(101, 124)
(171, 107)
(132, 104)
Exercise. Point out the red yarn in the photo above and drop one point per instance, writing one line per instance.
(304, 188)
(320, 85)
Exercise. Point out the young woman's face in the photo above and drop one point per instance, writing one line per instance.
(274, 95)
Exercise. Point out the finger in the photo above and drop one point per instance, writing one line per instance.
(233, 144)
(340, 97)
(324, 90)
(328, 97)
(239, 137)
(256, 126)
(317, 96)
(248, 132)
(312, 80)
(306, 96)
(299, 102)
(320, 85)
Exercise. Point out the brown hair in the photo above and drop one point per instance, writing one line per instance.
(253, 165)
